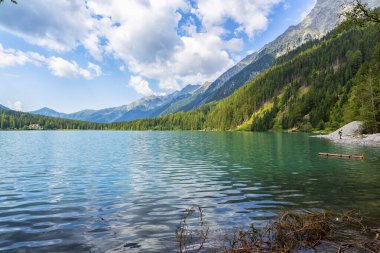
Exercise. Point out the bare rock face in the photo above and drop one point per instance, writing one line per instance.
(323, 18)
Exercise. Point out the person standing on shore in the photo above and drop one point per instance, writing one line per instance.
(340, 133)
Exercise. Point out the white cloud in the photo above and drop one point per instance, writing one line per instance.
(152, 48)
(57, 65)
(94, 69)
(11, 57)
(61, 25)
(17, 105)
(63, 68)
(92, 44)
(140, 85)
(144, 34)
(252, 15)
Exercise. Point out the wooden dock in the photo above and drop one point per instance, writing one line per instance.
(353, 156)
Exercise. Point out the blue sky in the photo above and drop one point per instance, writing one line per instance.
(75, 55)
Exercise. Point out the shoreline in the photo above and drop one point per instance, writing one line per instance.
(363, 139)
(351, 135)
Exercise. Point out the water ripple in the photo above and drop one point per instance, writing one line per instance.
(125, 191)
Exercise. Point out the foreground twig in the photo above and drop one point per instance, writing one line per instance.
(191, 237)
(291, 232)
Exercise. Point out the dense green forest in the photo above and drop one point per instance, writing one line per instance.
(10, 120)
(321, 85)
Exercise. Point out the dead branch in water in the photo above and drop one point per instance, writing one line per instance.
(291, 232)
(188, 239)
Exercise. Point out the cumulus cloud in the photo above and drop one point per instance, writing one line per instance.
(153, 48)
(16, 106)
(149, 36)
(140, 85)
(251, 15)
(60, 26)
(58, 66)
(63, 68)
(11, 57)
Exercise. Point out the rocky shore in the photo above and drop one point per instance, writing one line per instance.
(351, 135)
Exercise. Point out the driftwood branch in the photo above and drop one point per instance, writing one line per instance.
(291, 232)
(191, 234)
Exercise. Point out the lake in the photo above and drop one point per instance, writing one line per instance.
(110, 191)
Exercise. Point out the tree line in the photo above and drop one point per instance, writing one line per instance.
(12, 120)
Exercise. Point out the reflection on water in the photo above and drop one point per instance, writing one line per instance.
(124, 191)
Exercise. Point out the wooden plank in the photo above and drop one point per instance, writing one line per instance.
(353, 156)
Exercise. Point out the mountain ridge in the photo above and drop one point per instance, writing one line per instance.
(304, 91)
(145, 107)
(2, 107)
(313, 26)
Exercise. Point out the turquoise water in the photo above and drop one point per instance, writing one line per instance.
(89, 191)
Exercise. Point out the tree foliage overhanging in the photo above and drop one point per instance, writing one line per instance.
(13, 1)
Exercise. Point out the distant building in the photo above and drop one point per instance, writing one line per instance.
(35, 127)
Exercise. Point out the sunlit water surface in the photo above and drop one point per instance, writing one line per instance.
(78, 191)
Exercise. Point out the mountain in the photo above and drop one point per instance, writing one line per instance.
(231, 72)
(146, 107)
(49, 112)
(184, 100)
(322, 19)
(323, 84)
(2, 107)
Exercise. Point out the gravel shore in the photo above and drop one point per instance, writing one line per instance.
(351, 135)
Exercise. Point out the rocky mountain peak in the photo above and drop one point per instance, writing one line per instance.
(323, 18)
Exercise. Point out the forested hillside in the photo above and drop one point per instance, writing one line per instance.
(317, 86)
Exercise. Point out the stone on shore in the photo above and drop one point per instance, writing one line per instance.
(351, 134)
